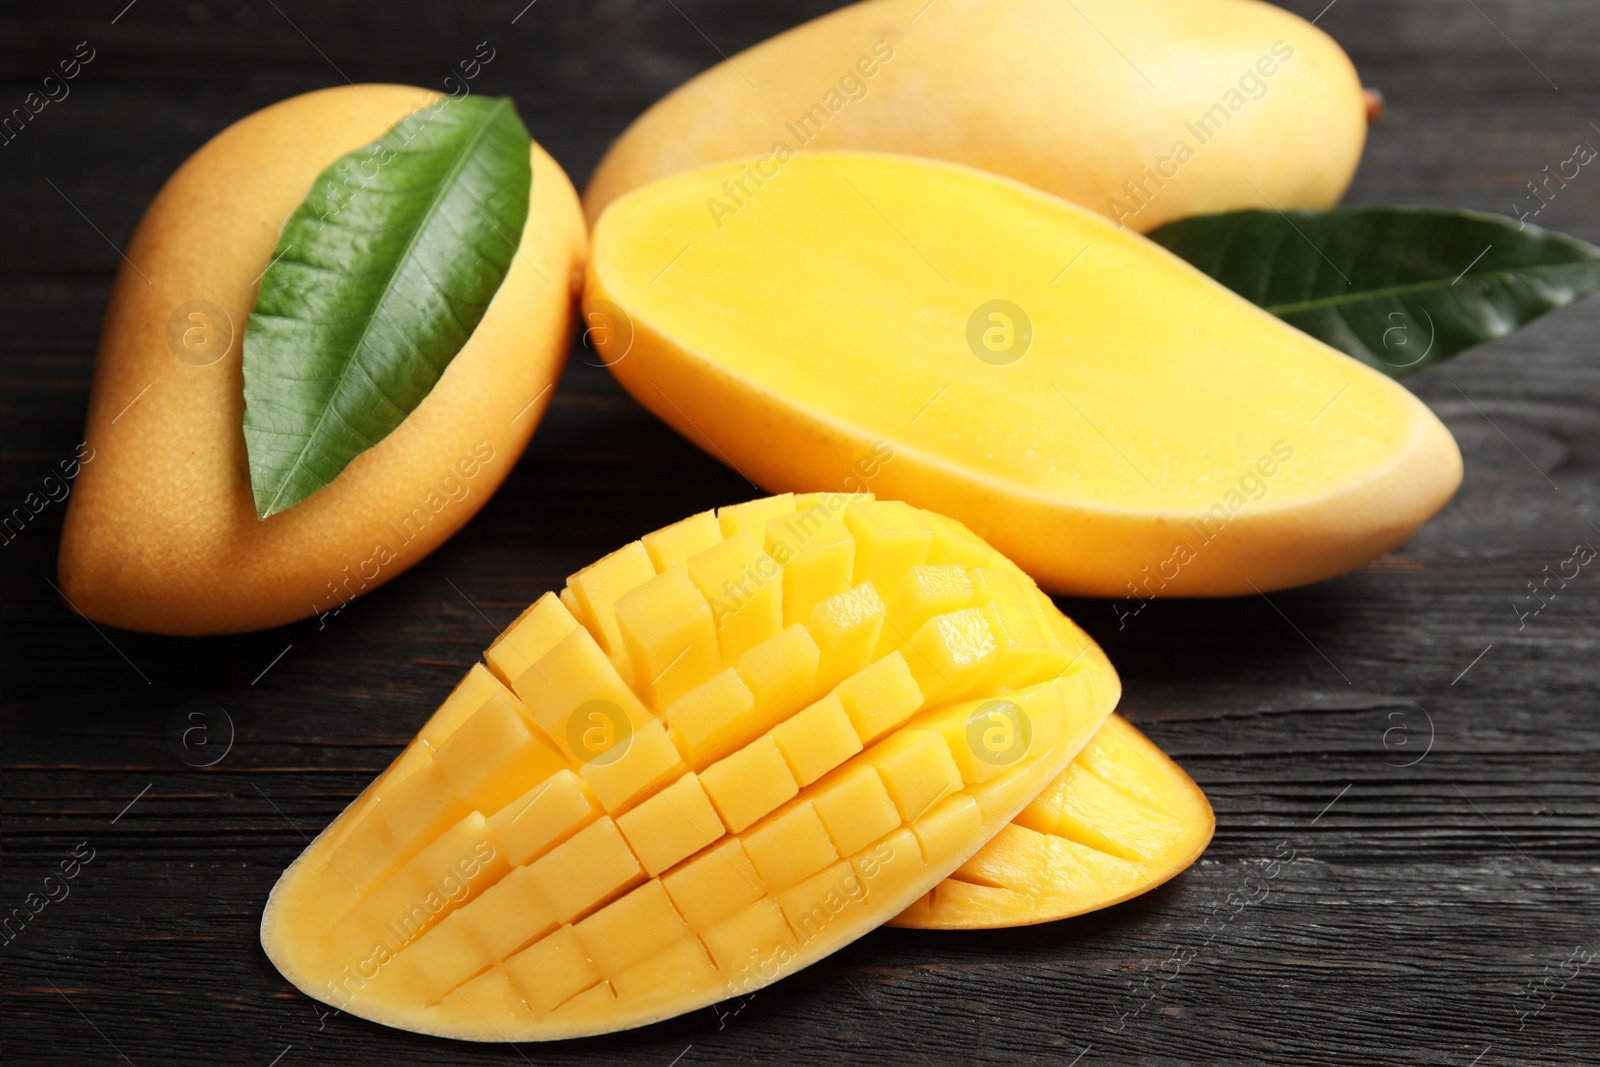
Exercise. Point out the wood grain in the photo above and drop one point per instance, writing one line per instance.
(1423, 907)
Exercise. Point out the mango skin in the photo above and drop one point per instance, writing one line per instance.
(1032, 90)
(161, 534)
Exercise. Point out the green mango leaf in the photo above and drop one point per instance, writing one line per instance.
(380, 275)
(1397, 287)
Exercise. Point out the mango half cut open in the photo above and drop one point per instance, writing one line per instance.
(721, 753)
(1104, 414)
(1121, 820)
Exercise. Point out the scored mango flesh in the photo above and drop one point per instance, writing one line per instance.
(1121, 820)
(721, 753)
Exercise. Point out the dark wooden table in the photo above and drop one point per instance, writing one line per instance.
(1432, 764)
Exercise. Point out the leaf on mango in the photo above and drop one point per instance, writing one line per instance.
(380, 276)
(1396, 287)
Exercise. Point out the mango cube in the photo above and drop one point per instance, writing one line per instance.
(817, 740)
(712, 719)
(880, 697)
(751, 941)
(917, 770)
(944, 829)
(445, 957)
(543, 817)
(598, 587)
(508, 915)
(675, 823)
(593, 1003)
(667, 630)
(585, 870)
(671, 546)
(647, 760)
(846, 627)
(856, 809)
(489, 994)
(834, 895)
(493, 756)
(780, 673)
(632, 929)
(923, 592)
(552, 970)
(950, 654)
(749, 783)
(714, 885)
(574, 689)
(526, 640)
(891, 865)
(818, 557)
(744, 587)
(891, 538)
(1028, 651)
(789, 847)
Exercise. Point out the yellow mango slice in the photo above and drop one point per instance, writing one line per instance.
(1145, 110)
(161, 531)
(1121, 820)
(633, 811)
(1118, 424)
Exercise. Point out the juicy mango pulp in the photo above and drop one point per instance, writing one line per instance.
(844, 303)
(721, 753)
(1122, 819)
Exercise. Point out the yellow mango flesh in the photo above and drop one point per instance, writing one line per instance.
(615, 821)
(161, 532)
(1158, 435)
(1143, 110)
(1121, 820)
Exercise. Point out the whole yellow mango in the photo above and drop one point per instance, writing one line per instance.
(1143, 110)
(162, 534)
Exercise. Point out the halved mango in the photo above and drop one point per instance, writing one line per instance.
(656, 795)
(1121, 820)
(1107, 416)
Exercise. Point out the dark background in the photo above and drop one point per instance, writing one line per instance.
(1422, 910)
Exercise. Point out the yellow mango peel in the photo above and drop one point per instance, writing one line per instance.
(1201, 106)
(1107, 416)
(657, 792)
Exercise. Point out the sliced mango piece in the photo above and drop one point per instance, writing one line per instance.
(615, 839)
(1117, 424)
(1121, 820)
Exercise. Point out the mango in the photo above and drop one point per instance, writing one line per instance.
(1144, 110)
(1121, 820)
(161, 533)
(1108, 417)
(661, 796)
